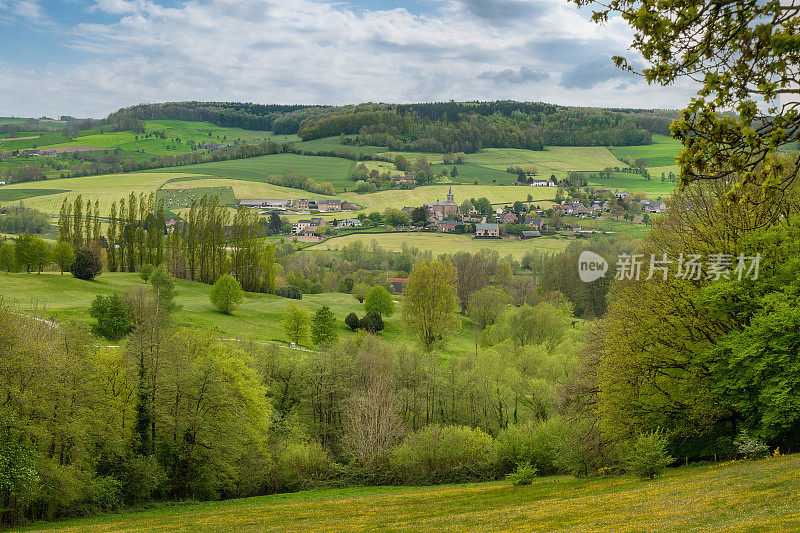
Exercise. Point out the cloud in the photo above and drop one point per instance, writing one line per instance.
(29, 9)
(511, 76)
(591, 73)
(311, 51)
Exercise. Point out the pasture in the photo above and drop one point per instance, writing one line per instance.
(378, 201)
(331, 169)
(178, 198)
(259, 318)
(441, 243)
(241, 189)
(734, 496)
(628, 181)
(660, 153)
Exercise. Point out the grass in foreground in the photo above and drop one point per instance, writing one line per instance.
(743, 496)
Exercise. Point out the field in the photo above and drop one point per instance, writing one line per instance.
(440, 243)
(331, 169)
(628, 181)
(660, 153)
(178, 198)
(742, 496)
(258, 319)
(177, 134)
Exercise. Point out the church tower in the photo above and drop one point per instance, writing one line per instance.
(450, 195)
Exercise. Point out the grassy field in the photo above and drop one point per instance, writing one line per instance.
(471, 172)
(8, 194)
(327, 144)
(259, 318)
(177, 198)
(440, 243)
(622, 227)
(660, 153)
(740, 496)
(625, 181)
(331, 169)
(42, 138)
(241, 188)
(378, 201)
(177, 133)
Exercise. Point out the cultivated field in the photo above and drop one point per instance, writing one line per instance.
(441, 243)
(741, 496)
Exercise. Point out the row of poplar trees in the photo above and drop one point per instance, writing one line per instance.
(201, 248)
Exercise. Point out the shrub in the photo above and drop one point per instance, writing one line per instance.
(750, 447)
(87, 264)
(289, 291)
(544, 445)
(103, 494)
(302, 465)
(226, 294)
(523, 475)
(112, 315)
(352, 321)
(372, 322)
(444, 454)
(648, 455)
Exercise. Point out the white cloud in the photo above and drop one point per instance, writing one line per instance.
(272, 51)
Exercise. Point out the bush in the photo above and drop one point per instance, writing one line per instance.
(648, 455)
(289, 291)
(302, 465)
(372, 322)
(544, 445)
(103, 494)
(226, 294)
(750, 447)
(87, 264)
(444, 454)
(352, 321)
(112, 315)
(523, 475)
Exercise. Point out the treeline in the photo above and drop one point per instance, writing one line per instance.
(466, 129)
(282, 119)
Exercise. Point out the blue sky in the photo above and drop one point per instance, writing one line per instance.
(90, 57)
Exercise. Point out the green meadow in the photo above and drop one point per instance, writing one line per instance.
(259, 318)
(660, 153)
(737, 496)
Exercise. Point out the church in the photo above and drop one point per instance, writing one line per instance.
(440, 209)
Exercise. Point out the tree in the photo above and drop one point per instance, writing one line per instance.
(87, 264)
(379, 301)
(744, 55)
(226, 294)
(32, 252)
(112, 315)
(8, 256)
(323, 327)
(270, 279)
(352, 321)
(296, 323)
(360, 291)
(484, 307)
(63, 255)
(430, 301)
(164, 289)
(473, 274)
(419, 216)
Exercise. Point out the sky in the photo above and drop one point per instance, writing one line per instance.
(87, 58)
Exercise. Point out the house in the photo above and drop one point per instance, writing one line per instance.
(652, 206)
(447, 226)
(301, 225)
(309, 231)
(542, 183)
(580, 210)
(537, 223)
(441, 209)
(487, 230)
(351, 223)
(530, 234)
(561, 208)
(318, 221)
(407, 181)
(398, 284)
(329, 206)
(621, 194)
(508, 218)
(301, 203)
(407, 209)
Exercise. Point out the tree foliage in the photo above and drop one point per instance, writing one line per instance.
(226, 294)
(430, 302)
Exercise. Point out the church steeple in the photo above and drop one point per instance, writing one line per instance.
(450, 195)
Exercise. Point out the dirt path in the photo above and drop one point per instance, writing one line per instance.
(20, 138)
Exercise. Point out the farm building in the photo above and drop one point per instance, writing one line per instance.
(351, 223)
(530, 234)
